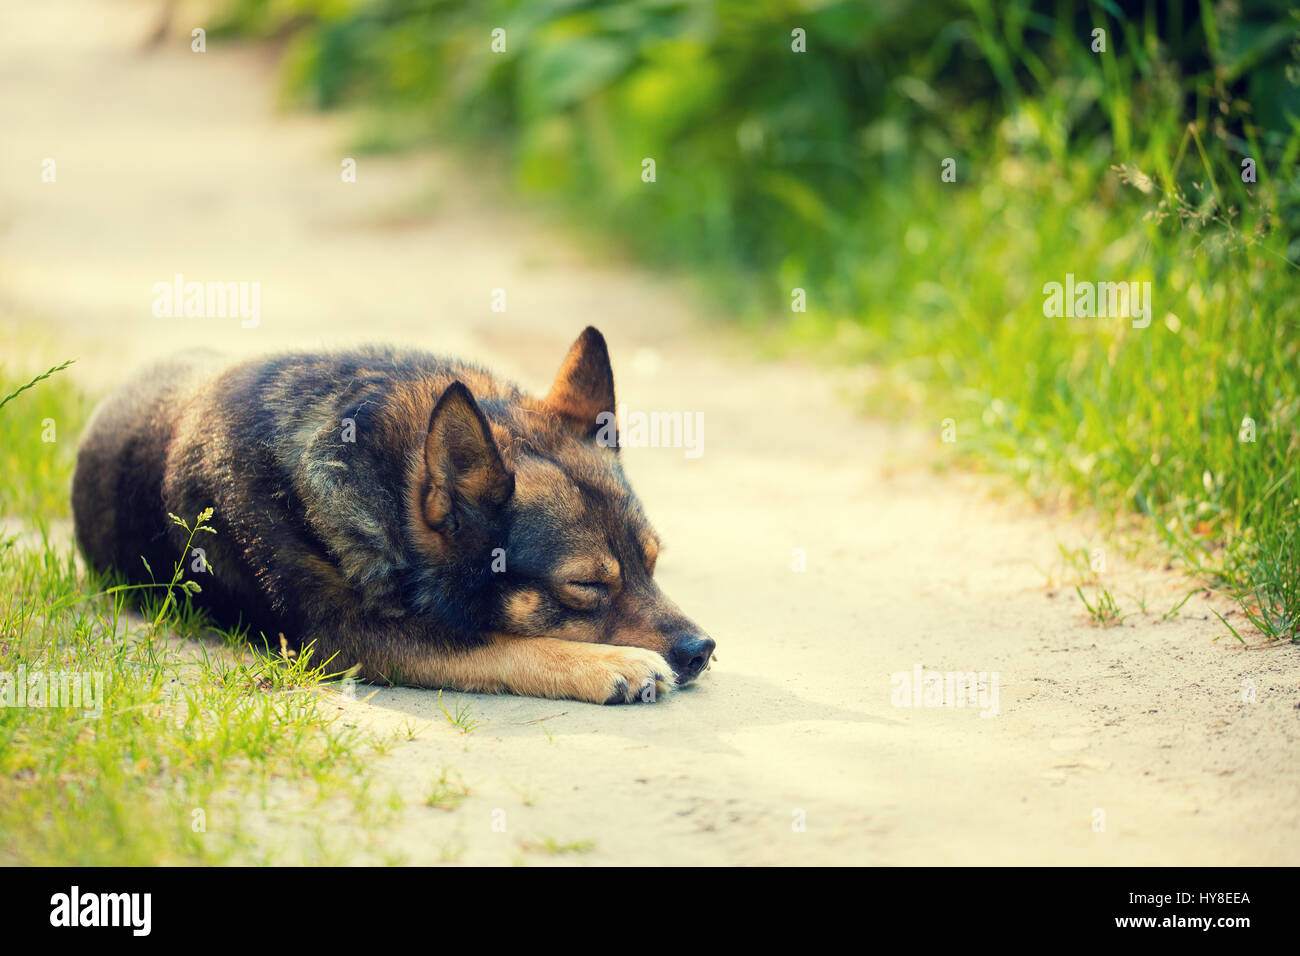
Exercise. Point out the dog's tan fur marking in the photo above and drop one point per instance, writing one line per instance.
(600, 568)
(546, 667)
(521, 605)
(650, 640)
(651, 548)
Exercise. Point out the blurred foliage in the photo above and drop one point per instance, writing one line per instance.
(821, 171)
(768, 159)
(38, 449)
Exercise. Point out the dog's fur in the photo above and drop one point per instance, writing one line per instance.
(468, 536)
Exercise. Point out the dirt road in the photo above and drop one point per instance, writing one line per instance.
(1142, 743)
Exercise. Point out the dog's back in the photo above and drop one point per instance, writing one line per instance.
(117, 488)
(264, 443)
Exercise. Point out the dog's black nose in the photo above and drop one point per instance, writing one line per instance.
(689, 655)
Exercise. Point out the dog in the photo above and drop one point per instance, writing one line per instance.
(409, 516)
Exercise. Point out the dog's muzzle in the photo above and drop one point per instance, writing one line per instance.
(690, 655)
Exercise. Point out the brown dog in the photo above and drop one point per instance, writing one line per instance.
(413, 516)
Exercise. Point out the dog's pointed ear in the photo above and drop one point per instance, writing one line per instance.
(462, 460)
(583, 391)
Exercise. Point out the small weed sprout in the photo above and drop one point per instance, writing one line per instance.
(445, 793)
(1105, 613)
(460, 717)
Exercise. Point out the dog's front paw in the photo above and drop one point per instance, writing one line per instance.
(626, 675)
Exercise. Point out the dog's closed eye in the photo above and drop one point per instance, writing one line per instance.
(583, 595)
(586, 585)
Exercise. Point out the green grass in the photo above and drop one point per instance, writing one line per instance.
(40, 420)
(26, 386)
(1094, 410)
(553, 847)
(193, 727)
(821, 171)
(179, 744)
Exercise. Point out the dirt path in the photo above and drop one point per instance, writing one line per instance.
(175, 162)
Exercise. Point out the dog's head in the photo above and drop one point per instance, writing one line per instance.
(532, 492)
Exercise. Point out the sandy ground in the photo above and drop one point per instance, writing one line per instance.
(1131, 744)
